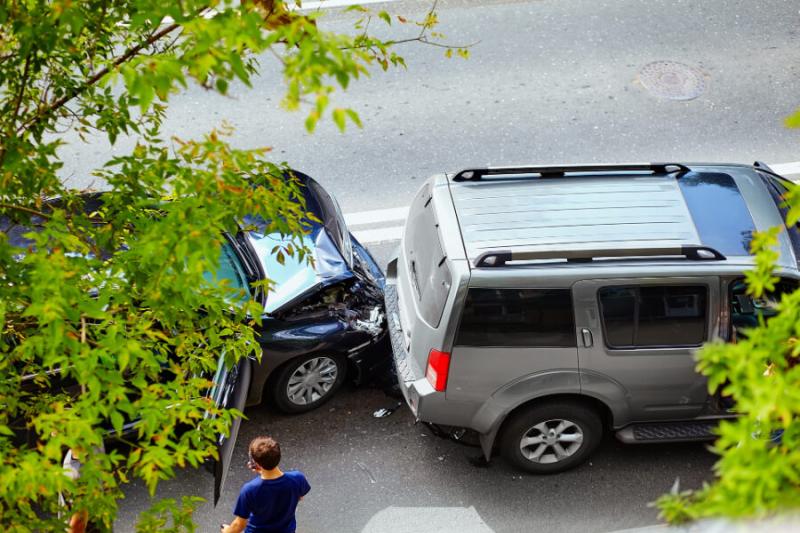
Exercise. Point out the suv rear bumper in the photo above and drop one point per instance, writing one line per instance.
(417, 391)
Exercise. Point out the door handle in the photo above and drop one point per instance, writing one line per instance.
(586, 334)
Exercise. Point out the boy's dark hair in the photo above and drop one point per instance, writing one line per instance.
(266, 452)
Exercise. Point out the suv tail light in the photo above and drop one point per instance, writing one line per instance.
(438, 367)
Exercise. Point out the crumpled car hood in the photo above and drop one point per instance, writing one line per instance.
(296, 279)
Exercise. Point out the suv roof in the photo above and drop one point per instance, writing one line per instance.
(699, 211)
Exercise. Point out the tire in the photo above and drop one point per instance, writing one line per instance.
(293, 395)
(561, 435)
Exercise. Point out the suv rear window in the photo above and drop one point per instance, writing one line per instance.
(778, 189)
(427, 265)
(517, 317)
(719, 212)
(653, 316)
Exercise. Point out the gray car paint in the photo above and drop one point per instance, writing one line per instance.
(653, 383)
(637, 385)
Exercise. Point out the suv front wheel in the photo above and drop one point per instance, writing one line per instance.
(551, 437)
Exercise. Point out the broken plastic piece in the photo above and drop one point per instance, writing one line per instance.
(383, 412)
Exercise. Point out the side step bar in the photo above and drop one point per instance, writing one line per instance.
(696, 430)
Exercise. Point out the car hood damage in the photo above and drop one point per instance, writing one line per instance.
(327, 288)
(295, 279)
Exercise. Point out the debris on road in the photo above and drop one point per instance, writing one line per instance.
(383, 412)
(363, 467)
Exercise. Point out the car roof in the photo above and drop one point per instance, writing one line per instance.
(561, 212)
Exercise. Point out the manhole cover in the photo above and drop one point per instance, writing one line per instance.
(672, 80)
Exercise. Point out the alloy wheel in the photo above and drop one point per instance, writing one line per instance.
(551, 441)
(312, 380)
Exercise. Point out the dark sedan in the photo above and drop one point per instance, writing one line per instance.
(323, 319)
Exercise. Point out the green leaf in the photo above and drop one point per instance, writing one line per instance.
(353, 116)
(339, 117)
(793, 120)
(117, 421)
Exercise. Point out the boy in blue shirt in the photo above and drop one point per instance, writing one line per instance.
(267, 503)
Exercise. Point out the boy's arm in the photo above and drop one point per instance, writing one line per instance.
(237, 526)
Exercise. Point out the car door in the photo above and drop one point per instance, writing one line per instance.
(229, 391)
(637, 339)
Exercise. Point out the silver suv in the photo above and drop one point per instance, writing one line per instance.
(543, 306)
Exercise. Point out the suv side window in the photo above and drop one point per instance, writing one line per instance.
(654, 316)
(517, 317)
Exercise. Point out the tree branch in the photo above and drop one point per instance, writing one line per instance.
(93, 49)
(23, 84)
(421, 40)
(425, 26)
(22, 209)
(129, 54)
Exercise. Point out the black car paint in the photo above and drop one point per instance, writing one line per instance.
(320, 330)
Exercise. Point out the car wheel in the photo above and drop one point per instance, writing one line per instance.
(551, 437)
(307, 382)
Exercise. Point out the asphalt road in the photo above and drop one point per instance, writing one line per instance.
(549, 81)
(388, 475)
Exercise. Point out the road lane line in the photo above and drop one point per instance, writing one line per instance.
(786, 168)
(374, 236)
(376, 216)
(330, 4)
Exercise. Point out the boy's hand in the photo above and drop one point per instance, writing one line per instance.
(239, 524)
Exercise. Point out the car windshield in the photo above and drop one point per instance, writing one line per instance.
(230, 273)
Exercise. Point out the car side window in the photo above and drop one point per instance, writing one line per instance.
(654, 316)
(517, 317)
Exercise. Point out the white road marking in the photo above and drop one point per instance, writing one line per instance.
(375, 217)
(786, 168)
(329, 4)
(416, 519)
(374, 236)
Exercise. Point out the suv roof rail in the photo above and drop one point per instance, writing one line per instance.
(498, 258)
(762, 166)
(559, 171)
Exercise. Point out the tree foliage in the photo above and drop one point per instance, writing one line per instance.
(107, 315)
(758, 472)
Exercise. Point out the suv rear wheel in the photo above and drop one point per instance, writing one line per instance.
(551, 437)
